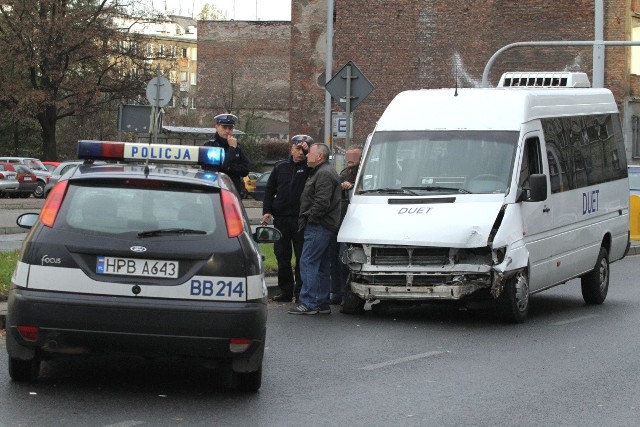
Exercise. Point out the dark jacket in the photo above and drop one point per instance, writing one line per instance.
(236, 163)
(320, 200)
(347, 174)
(284, 188)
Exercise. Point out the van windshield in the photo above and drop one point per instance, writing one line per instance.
(421, 162)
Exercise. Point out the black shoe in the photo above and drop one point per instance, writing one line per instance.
(302, 309)
(282, 298)
(324, 309)
(335, 301)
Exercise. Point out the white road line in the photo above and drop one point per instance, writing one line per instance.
(574, 320)
(130, 423)
(402, 360)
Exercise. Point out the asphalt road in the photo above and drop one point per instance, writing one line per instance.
(569, 364)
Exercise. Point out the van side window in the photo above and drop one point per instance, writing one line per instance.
(530, 161)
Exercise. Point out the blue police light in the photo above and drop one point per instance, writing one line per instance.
(156, 153)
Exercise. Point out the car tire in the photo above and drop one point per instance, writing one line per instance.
(513, 303)
(351, 303)
(248, 381)
(38, 193)
(595, 284)
(24, 370)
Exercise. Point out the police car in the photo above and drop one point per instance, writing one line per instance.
(146, 259)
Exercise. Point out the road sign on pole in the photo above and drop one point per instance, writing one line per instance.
(349, 87)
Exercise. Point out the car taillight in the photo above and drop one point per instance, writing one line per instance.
(52, 205)
(238, 345)
(29, 333)
(232, 213)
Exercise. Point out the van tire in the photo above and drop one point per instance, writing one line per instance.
(24, 370)
(351, 303)
(513, 303)
(595, 284)
(249, 382)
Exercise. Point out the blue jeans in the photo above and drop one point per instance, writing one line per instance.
(315, 266)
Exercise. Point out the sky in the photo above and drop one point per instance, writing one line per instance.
(239, 10)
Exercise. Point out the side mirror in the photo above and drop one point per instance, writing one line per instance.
(27, 220)
(266, 235)
(537, 188)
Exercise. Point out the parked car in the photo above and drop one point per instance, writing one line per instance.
(145, 261)
(61, 169)
(261, 184)
(50, 165)
(8, 181)
(39, 169)
(27, 180)
(634, 179)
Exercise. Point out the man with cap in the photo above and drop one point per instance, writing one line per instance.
(236, 163)
(282, 205)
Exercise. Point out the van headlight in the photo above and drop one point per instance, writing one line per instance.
(354, 257)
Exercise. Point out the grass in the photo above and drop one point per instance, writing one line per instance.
(8, 263)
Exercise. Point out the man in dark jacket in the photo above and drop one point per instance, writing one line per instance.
(320, 220)
(282, 205)
(236, 163)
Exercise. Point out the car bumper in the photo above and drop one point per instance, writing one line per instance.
(88, 324)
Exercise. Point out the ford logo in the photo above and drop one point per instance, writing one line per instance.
(138, 249)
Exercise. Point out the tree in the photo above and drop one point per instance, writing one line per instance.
(65, 58)
(210, 13)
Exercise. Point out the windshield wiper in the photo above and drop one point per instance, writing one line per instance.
(403, 190)
(439, 188)
(160, 231)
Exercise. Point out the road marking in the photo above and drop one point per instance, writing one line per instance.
(126, 424)
(402, 360)
(574, 320)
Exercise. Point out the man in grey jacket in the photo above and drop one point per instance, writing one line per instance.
(320, 219)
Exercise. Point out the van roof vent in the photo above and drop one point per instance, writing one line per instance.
(544, 79)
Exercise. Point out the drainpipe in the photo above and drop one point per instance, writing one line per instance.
(598, 47)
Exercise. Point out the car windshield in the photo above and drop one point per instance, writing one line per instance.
(423, 162)
(35, 164)
(144, 211)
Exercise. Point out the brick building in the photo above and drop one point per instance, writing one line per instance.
(243, 68)
(428, 44)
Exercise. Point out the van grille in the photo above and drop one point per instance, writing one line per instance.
(407, 256)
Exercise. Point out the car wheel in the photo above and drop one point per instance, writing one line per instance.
(38, 193)
(595, 284)
(513, 303)
(24, 370)
(351, 303)
(248, 381)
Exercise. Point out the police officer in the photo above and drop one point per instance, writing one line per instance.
(236, 162)
(282, 205)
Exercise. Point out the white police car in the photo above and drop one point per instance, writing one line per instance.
(144, 259)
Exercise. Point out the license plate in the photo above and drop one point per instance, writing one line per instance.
(137, 267)
(27, 178)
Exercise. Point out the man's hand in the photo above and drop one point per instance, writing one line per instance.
(232, 141)
(347, 185)
(266, 219)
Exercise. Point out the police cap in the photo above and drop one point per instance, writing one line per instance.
(226, 119)
(302, 138)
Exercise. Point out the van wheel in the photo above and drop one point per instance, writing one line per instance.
(351, 303)
(24, 370)
(248, 381)
(38, 193)
(595, 284)
(513, 303)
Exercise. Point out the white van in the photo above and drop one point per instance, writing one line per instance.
(489, 194)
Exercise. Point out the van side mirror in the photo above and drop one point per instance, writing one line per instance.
(537, 188)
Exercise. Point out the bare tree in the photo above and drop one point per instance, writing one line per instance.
(63, 58)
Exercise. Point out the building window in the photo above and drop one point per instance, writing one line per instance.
(184, 76)
(185, 52)
(173, 76)
(194, 53)
(193, 79)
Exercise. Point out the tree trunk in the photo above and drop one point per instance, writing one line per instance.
(48, 120)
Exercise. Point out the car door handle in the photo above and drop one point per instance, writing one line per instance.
(546, 209)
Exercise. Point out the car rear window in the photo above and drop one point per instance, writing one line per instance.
(126, 209)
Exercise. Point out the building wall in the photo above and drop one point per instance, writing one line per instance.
(432, 43)
(244, 66)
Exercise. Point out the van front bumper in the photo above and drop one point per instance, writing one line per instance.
(403, 291)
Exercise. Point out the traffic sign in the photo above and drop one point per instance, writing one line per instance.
(339, 125)
(360, 86)
(159, 91)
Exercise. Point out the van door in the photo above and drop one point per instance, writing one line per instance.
(536, 216)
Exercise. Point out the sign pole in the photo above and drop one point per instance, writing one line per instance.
(348, 105)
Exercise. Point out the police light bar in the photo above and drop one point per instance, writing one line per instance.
(156, 153)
